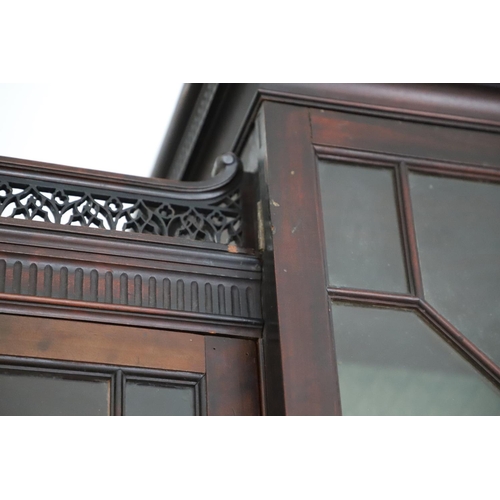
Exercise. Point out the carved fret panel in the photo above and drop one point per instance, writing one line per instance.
(209, 211)
(216, 221)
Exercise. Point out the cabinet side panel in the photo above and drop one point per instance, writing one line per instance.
(232, 377)
(309, 370)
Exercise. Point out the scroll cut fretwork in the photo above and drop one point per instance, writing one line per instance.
(216, 219)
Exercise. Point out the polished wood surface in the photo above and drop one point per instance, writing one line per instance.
(415, 140)
(456, 104)
(106, 344)
(227, 368)
(232, 377)
(307, 350)
(113, 276)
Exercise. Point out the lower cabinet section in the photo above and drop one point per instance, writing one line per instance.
(60, 367)
(43, 387)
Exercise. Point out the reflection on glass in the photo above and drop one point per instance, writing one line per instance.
(44, 394)
(391, 362)
(457, 224)
(157, 399)
(363, 243)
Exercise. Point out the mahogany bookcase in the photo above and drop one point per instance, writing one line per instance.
(349, 264)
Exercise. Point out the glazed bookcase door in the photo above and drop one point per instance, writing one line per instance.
(411, 223)
(399, 259)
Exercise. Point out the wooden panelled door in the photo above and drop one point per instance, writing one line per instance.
(61, 367)
(386, 237)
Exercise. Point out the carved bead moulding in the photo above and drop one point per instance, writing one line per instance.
(55, 266)
(169, 291)
(207, 211)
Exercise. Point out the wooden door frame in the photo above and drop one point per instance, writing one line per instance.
(296, 255)
(295, 137)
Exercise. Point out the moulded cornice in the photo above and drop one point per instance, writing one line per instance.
(475, 106)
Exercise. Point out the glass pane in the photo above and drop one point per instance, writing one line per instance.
(146, 398)
(457, 224)
(392, 363)
(363, 243)
(43, 394)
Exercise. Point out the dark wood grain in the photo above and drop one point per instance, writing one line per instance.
(458, 105)
(127, 315)
(417, 140)
(271, 376)
(408, 235)
(369, 297)
(118, 393)
(232, 377)
(51, 264)
(109, 278)
(106, 344)
(122, 183)
(307, 350)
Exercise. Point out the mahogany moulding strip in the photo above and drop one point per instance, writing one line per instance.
(417, 140)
